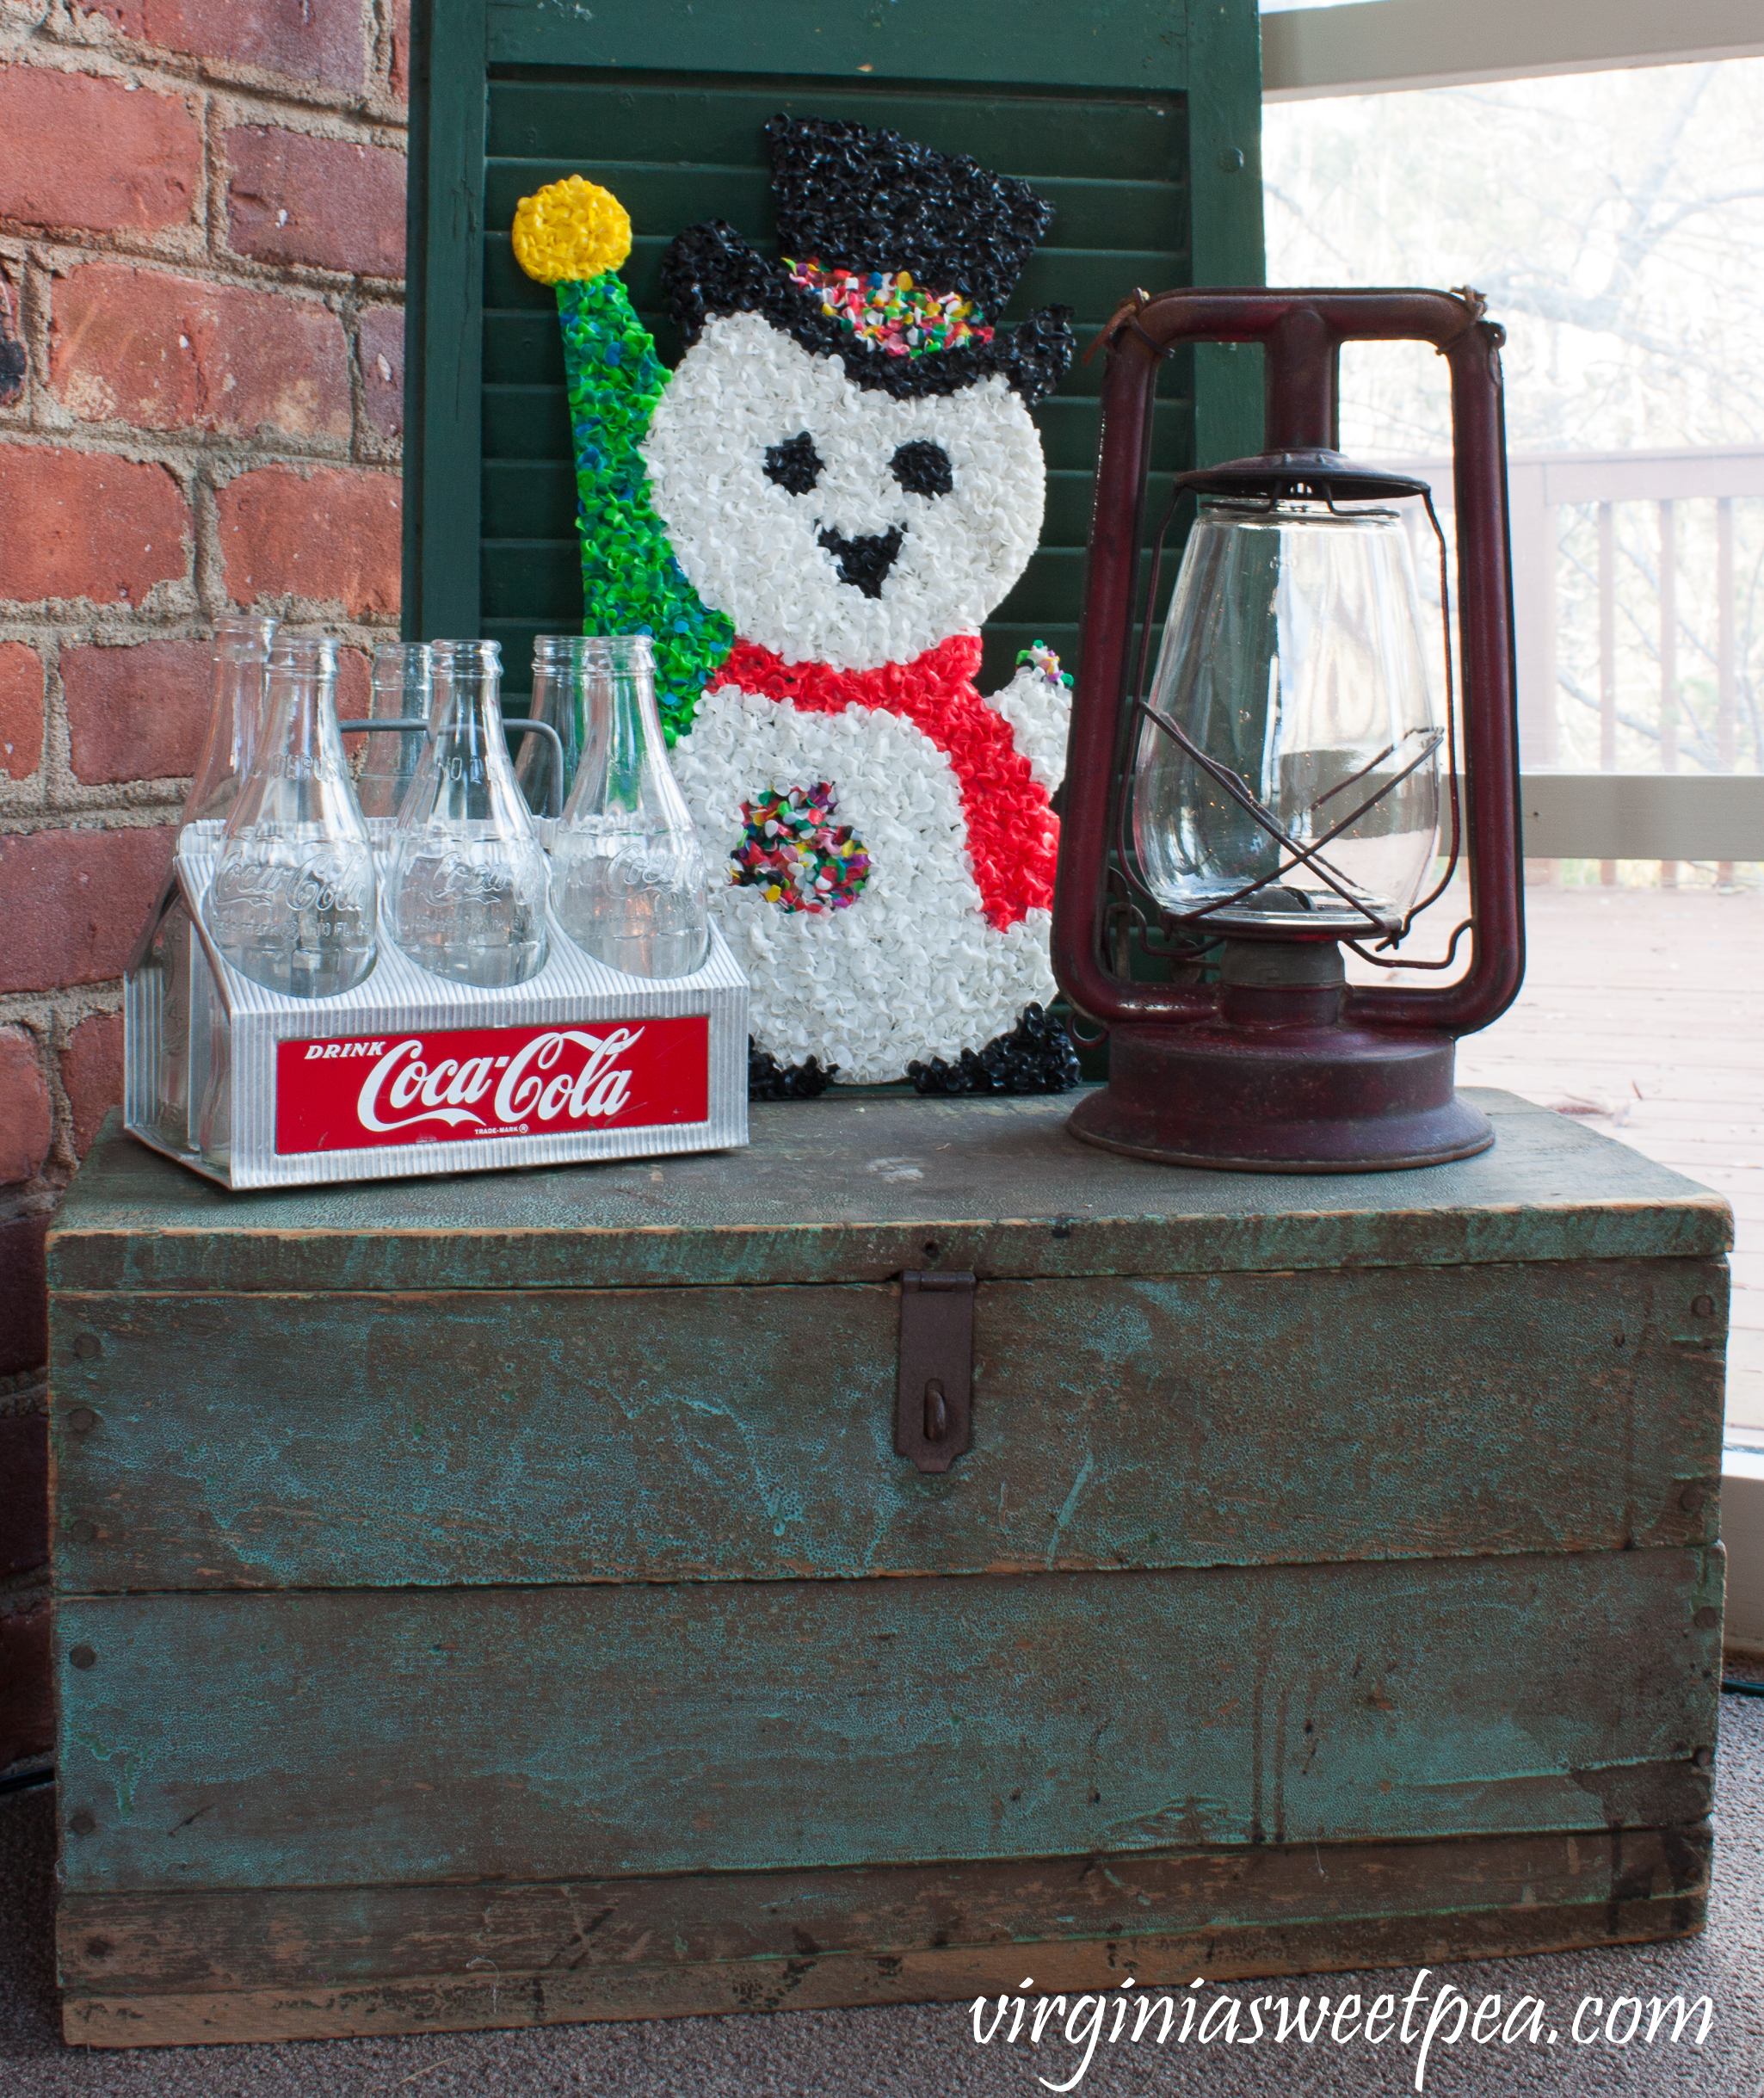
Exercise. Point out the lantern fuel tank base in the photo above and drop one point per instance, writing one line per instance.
(1327, 1099)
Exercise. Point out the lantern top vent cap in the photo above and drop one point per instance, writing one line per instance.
(1326, 477)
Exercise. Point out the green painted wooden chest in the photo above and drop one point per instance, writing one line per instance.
(503, 1600)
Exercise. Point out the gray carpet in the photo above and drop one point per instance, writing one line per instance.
(929, 2052)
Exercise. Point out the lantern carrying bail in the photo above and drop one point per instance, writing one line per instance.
(1263, 1058)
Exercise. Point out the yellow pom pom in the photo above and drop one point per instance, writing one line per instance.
(570, 231)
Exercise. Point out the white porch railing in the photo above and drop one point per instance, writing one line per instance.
(1638, 616)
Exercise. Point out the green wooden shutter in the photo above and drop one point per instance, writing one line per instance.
(1138, 121)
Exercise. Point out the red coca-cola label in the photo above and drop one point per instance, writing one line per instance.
(490, 1082)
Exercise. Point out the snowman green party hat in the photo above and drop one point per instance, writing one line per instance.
(574, 235)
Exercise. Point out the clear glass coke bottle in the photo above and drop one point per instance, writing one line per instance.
(292, 904)
(170, 969)
(467, 882)
(557, 701)
(629, 875)
(171, 975)
(237, 681)
(401, 693)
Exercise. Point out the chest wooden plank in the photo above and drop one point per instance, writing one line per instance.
(314, 1963)
(839, 1190)
(556, 1946)
(377, 1737)
(492, 1436)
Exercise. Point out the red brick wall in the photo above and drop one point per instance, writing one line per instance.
(201, 263)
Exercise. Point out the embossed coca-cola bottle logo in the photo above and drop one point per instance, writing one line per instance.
(323, 885)
(455, 880)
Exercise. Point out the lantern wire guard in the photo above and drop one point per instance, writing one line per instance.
(1321, 478)
(1257, 1055)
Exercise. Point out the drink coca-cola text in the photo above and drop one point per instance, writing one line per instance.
(478, 1083)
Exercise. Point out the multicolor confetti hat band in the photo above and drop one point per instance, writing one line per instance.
(886, 310)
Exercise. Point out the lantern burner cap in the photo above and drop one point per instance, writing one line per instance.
(1281, 964)
(1323, 477)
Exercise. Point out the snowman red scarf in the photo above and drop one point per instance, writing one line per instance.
(1013, 836)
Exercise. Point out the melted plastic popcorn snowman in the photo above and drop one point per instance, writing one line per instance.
(848, 480)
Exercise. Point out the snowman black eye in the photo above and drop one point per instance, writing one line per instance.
(923, 469)
(795, 464)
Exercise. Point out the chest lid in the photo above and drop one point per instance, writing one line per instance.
(845, 1190)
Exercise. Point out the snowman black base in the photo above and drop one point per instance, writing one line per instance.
(1037, 1055)
(768, 1079)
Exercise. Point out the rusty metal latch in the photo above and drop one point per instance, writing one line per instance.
(931, 1411)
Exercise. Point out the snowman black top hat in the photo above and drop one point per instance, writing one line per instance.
(897, 258)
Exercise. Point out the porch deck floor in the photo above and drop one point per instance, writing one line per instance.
(1642, 1013)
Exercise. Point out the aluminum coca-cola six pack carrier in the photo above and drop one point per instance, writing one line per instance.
(412, 1073)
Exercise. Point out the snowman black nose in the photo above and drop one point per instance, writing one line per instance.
(863, 563)
(795, 464)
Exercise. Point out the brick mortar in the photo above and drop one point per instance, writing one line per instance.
(221, 95)
(65, 1014)
(52, 798)
(205, 264)
(201, 244)
(31, 1198)
(96, 47)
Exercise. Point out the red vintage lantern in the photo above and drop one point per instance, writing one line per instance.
(1281, 787)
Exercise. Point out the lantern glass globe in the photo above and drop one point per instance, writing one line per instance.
(1302, 793)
